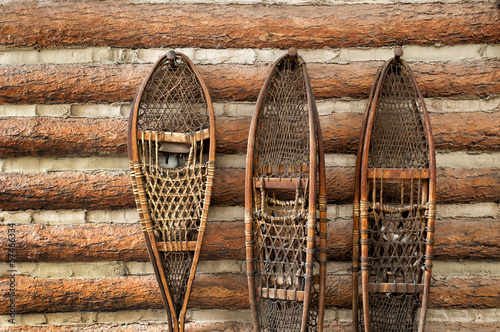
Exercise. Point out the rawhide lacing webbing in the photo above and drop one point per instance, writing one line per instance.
(282, 142)
(392, 312)
(397, 212)
(173, 100)
(175, 195)
(397, 230)
(398, 138)
(312, 321)
(281, 234)
(398, 205)
(285, 315)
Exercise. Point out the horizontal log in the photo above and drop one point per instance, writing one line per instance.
(149, 327)
(468, 185)
(452, 326)
(38, 136)
(101, 191)
(71, 190)
(472, 238)
(56, 24)
(224, 291)
(49, 136)
(220, 291)
(462, 238)
(75, 190)
(28, 84)
(232, 134)
(333, 326)
(62, 84)
(460, 293)
(78, 243)
(466, 131)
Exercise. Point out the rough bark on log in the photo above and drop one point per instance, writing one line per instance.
(466, 131)
(102, 191)
(220, 291)
(41, 136)
(468, 185)
(66, 190)
(52, 136)
(137, 327)
(433, 326)
(430, 326)
(457, 238)
(232, 134)
(29, 84)
(467, 238)
(475, 291)
(56, 24)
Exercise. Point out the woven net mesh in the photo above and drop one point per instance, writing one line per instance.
(282, 150)
(286, 316)
(396, 246)
(392, 313)
(173, 100)
(398, 137)
(177, 265)
(282, 239)
(282, 142)
(312, 322)
(174, 184)
(281, 256)
(280, 315)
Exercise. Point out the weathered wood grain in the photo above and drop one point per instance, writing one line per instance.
(89, 23)
(219, 291)
(459, 238)
(466, 131)
(460, 293)
(65, 190)
(101, 191)
(67, 84)
(468, 185)
(62, 84)
(223, 291)
(333, 326)
(53, 136)
(136, 327)
(39, 136)
(452, 326)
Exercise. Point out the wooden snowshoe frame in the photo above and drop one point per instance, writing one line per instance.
(285, 188)
(171, 146)
(394, 205)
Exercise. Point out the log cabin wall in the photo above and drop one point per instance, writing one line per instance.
(69, 71)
